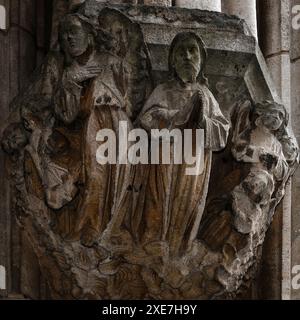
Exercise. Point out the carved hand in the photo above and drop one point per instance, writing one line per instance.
(159, 118)
(164, 114)
(67, 111)
(193, 110)
(198, 105)
(78, 73)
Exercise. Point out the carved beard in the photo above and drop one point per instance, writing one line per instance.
(188, 73)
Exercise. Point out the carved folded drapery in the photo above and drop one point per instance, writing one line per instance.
(138, 231)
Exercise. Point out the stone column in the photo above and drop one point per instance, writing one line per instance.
(211, 5)
(76, 2)
(5, 220)
(22, 46)
(245, 9)
(274, 40)
(295, 118)
(166, 3)
(3, 14)
(60, 8)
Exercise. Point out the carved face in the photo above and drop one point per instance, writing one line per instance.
(14, 138)
(74, 39)
(187, 60)
(258, 186)
(271, 120)
(289, 148)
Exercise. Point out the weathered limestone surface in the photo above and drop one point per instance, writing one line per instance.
(245, 9)
(4, 14)
(295, 113)
(275, 44)
(95, 242)
(4, 203)
(22, 48)
(214, 5)
(237, 74)
(167, 3)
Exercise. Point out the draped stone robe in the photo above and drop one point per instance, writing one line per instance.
(175, 201)
(99, 103)
(51, 161)
(52, 153)
(106, 104)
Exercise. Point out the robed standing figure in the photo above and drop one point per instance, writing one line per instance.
(175, 201)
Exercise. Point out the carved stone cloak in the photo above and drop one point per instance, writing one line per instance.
(175, 201)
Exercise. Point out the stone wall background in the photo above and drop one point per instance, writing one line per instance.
(295, 116)
(22, 48)
(274, 18)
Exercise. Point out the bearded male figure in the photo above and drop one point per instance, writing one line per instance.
(174, 200)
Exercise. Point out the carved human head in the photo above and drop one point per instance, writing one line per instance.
(259, 186)
(271, 115)
(14, 138)
(36, 115)
(75, 34)
(290, 148)
(118, 33)
(187, 57)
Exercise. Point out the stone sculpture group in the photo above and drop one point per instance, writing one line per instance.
(117, 231)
